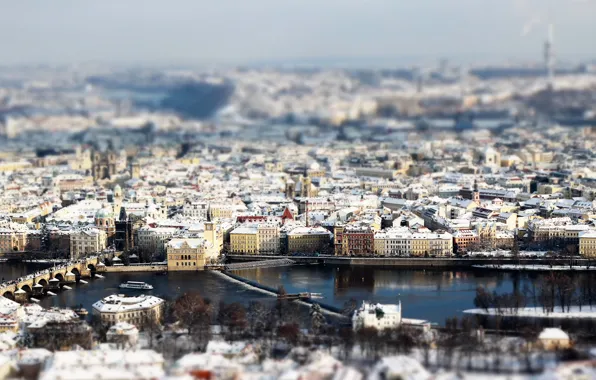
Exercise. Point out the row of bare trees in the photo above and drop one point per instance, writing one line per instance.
(553, 290)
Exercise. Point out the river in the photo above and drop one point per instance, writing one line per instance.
(426, 294)
(433, 295)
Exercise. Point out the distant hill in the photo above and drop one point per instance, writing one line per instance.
(200, 100)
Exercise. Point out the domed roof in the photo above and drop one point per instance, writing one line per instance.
(103, 213)
(117, 189)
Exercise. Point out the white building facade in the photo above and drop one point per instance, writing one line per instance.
(377, 316)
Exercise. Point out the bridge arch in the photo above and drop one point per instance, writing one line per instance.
(91, 267)
(8, 295)
(76, 272)
(26, 288)
(43, 282)
(59, 276)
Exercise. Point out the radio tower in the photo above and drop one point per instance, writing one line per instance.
(549, 58)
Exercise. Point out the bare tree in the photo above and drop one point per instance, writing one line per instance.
(99, 327)
(483, 299)
(346, 338)
(195, 314)
(317, 319)
(259, 319)
(368, 338)
(233, 320)
(290, 333)
(449, 340)
(151, 326)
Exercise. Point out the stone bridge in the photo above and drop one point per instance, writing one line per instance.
(53, 278)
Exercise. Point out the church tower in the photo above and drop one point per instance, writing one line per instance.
(476, 194)
(117, 199)
(104, 220)
(306, 187)
(135, 170)
(290, 188)
(210, 235)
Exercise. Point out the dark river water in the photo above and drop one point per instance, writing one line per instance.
(427, 294)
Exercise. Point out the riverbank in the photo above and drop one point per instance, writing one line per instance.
(420, 262)
(543, 268)
(574, 312)
(136, 268)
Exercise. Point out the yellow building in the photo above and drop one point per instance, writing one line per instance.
(221, 211)
(13, 240)
(12, 166)
(261, 238)
(380, 242)
(587, 243)
(244, 240)
(549, 189)
(189, 254)
(419, 245)
(190, 160)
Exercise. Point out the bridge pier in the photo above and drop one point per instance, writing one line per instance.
(21, 296)
(86, 273)
(37, 290)
(70, 278)
(54, 284)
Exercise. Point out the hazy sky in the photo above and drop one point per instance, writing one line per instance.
(244, 31)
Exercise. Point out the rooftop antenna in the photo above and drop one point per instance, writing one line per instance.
(548, 47)
(549, 57)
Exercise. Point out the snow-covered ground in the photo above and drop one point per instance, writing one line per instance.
(507, 253)
(536, 267)
(574, 312)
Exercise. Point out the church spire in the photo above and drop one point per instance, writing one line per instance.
(476, 193)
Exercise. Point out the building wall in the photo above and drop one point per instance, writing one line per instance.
(310, 243)
(187, 258)
(135, 317)
(587, 246)
(135, 268)
(268, 238)
(244, 243)
(82, 243)
(359, 243)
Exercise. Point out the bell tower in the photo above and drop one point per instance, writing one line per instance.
(476, 193)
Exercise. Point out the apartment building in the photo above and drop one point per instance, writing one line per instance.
(195, 209)
(404, 242)
(154, 240)
(587, 243)
(354, 240)
(87, 241)
(308, 240)
(256, 238)
(463, 239)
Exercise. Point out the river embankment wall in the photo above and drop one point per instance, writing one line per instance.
(136, 268)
